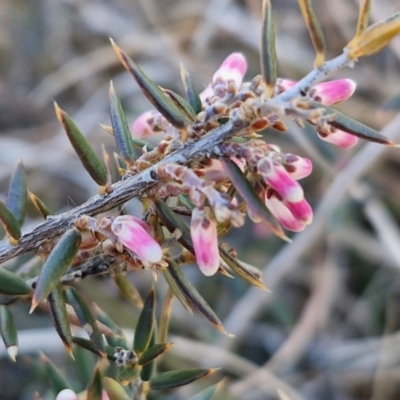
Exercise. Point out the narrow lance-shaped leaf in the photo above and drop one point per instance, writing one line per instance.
(89, 159)
(165, 316)
(354, 127)
(176, 290)
(269, 63)
(122, 134)
(240, 269)
(191, 93)
(251, 198)
(39, 205)
(88, 345)
(173, 379)
(193, 296)
(117, 340)
(152, 91)
(208, 393)
(145, 326)
(153, 352)
(182, 104)
(58, 311)
(362, 22)
(172, 222)
(87, 320)
(127, 375)
(114, 390)
(12, 284)
(56, 265)
(128, 290)
(8, 331)
(55, 377)
(17, 193)
(95, 388)
(314, 30)
(9, 222)
(148, 369)
(376, 37)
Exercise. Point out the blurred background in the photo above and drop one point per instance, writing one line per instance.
(328, 329)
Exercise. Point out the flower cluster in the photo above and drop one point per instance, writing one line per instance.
(274, 175)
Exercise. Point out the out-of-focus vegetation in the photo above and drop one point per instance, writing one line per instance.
(329, 327)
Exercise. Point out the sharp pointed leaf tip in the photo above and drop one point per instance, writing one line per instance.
(12, 352)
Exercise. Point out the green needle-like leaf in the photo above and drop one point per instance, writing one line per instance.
(165, 316)
(182, 104)
(191, 93)
(122, 134)
(354, 127)
(54, 375)
(128, 290)
(117, 340)
(362, 22)
(147, 371)
(95, 388)
(12, 284)
(314, 30)
(145, 326)
(251, 198)
(40, 205)
(208, 393)
(10, 222)
(152, 91)
(17, 193)
(87, 319)
(58, 310)
(192, 295)
(8, 331)
(114, 390)
(89, 159)
(153, 352)
(173, 379)
(88, 345)
(239, 269)
(172, 222)
(269, 63)
(127, 375)
(57, 263)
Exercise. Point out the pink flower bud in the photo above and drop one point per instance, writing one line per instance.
(333, 91)
(233, 68)
(141, 126)
(67, 394)
(134, 234)
(297, 167)
(339, 138)
(283, 214)
(276, 176)
(203, 231)
(284, 84)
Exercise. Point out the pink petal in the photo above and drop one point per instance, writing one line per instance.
(233, 68)
(285, 84)
(298, 167)
(339, 138)
(333, 91)
(67, 394)
(283, 215)
(134, 234)
(276, 176)
(300, 210)
(141, 126)
(204, 235)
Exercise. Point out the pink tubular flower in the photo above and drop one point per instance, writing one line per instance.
(276, 176)
(203, 231)
(233, 68)
(135, 235)
(283, 214)
(333, 91)
(339, 138)
(141, 127)
(300, 210)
